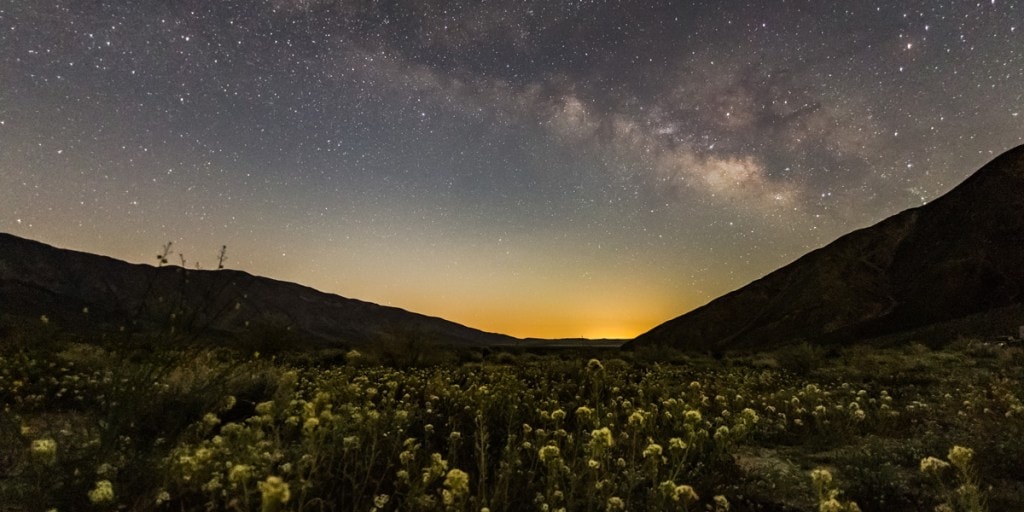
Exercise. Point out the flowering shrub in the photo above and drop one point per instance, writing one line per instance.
(963, 493)
(218, 431)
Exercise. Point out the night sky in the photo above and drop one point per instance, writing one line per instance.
(539, 168)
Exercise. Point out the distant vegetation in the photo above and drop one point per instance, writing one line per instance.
(409, 427)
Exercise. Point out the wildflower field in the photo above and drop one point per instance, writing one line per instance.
(107, 428)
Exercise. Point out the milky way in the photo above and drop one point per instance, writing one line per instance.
(539, 168)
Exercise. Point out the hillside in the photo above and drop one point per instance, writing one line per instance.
(960, 255)
(96, 295)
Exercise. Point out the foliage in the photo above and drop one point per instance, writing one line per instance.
(220, 429)
(801, 358)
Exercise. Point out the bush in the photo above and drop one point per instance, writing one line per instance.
(801, 358)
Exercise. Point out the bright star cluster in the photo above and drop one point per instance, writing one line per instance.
(546, 168)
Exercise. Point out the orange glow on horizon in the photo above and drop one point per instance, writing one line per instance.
(567, 328)
(575, 317)
(552, 302)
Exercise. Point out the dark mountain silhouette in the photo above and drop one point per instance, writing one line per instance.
(960, 255)
(92, 295)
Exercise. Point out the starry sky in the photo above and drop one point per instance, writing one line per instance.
(540, 168)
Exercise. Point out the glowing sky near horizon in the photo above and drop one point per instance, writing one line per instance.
(540, 168)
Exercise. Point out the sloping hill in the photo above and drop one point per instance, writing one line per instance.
(91, 294)
(959, 255)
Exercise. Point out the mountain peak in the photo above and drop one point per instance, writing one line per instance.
(1009, 164)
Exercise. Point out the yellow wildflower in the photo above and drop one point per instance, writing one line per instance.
(44, 451)
(960, 456)
(274, 493)
(103, 493)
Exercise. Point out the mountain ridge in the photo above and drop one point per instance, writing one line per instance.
(39, 279)
(950, 258)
